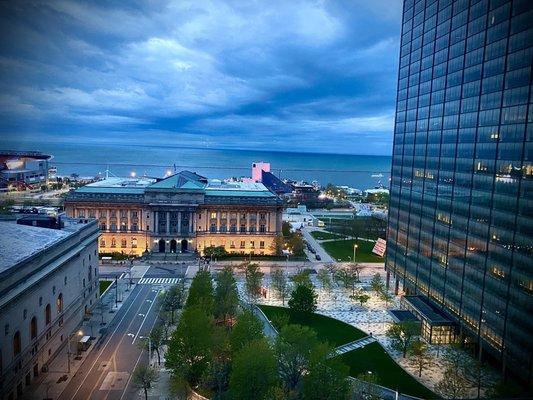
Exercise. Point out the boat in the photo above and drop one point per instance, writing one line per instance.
(377, 175)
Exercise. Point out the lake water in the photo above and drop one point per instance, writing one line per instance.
(89, 159)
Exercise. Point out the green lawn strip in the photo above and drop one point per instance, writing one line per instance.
(343, 250)
(319, 235)
(374, 358)
(104, 285)
(328, 329)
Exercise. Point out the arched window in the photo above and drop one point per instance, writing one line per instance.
(113, 242)
(123, 243)
(33, 328)
(16, 344)
(48, 314)
(59, 303)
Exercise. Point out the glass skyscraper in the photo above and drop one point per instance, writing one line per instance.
(460, 228)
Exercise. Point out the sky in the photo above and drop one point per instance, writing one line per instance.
(316, 76)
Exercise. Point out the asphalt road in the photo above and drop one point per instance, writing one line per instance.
(106, 371)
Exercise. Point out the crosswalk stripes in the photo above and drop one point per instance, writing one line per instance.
(158, 281)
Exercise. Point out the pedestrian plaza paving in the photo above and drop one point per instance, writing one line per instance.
(373, 318)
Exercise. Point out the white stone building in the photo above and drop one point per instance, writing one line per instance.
(48, 283)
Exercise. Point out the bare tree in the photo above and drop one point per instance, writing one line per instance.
(418, 350)
(280, 284)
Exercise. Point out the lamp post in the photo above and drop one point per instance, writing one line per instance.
(354, 249)
(80, 333)
(149, 348)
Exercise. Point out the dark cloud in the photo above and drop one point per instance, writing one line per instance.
(233, 74)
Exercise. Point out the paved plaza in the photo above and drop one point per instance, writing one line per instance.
(373, 318)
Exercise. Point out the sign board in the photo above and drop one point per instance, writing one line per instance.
(380, 247)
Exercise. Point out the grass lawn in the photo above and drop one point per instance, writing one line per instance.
(327, 329)
(343, 250)
(104, 285)
(369, 358)
(319, 235)
(374, 358)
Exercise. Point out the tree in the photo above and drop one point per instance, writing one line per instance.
(247, 328)
(386, 296)
(174, 298)
(402, 334)
(157, 340)
(226, 295)
(302, 278)
(277, 245)
(254, 281)
(477, 374)
(452, 384)
(295, 243)
(254, 372)
(327, 378)
(377, 284)
(190, 347)
(324, 277)
(293, 348)
(349, 278)
(201, 292)
(215, 251)
(361, 296)
(143, 378)
(303, 299)
(421, 357)
(286, 228)
(280, 284)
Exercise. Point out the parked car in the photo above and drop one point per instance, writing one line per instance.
(318, 258)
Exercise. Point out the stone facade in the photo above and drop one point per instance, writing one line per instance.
(182, 213)
(48, 283)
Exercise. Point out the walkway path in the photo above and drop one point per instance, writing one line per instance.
(268, 329)
(356, 344)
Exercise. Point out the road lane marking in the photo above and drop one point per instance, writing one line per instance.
(144, 318)
(158, 281)
(103, 348)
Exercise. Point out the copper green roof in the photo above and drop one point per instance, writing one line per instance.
(181, 180)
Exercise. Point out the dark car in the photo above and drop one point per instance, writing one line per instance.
(317, 256)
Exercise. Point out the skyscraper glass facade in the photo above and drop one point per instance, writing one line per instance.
(461, 207)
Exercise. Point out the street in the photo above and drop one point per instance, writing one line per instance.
(106, 371)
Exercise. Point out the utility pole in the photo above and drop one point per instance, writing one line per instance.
(116, 291)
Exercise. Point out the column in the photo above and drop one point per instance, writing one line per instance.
(168, 222)
(156, 222)
(179, 223)
(238, 222)
(247, 222)
(191, 222)
(257, 222)
(218, 221)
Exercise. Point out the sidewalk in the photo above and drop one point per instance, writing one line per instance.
(52, 383)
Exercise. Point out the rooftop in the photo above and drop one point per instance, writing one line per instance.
(244, 189)
(118, 185)
(428, 310)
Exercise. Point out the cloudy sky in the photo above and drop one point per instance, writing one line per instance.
(318, 75)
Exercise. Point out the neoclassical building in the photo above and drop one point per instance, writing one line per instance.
(181, 213)
(48, 284)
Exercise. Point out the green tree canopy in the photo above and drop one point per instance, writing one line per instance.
(402, 334)
(254, 374)
(327, 378)
(303, 299)
(190, 347)
(247, 328)
(143, 377)
(226, 295)
(280, 285)
(254, 281)
(201, 292)
(293, 348)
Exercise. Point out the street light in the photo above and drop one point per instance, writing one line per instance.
(354, 249)
(80, 333)
(149, 348)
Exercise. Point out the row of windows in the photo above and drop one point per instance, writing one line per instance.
(123, 227)
(233, 228)
(224, 215)
(123, 243)
(92, 213)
